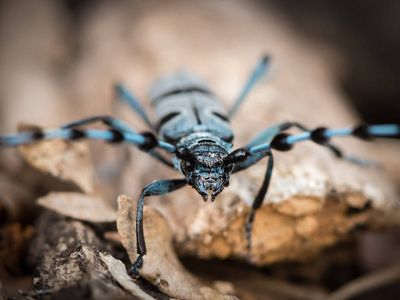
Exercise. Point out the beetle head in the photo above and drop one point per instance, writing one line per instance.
(208, 167)
(205, 168)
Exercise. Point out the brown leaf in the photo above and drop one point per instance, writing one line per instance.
(79, 206)
(67, 161)
(161, 265)
(118, 271)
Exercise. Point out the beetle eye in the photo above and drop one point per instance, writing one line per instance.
(183, 153)
(236, 156)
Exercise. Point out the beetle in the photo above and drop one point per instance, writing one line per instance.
(194, 127)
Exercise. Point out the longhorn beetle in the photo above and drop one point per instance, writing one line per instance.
(193, 126)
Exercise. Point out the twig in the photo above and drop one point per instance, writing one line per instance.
(367, 283)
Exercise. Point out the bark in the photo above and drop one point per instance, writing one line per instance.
(67, 253)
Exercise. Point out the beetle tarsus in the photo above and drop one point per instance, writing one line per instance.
(137, 264)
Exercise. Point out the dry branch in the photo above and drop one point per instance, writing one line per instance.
(67, 253)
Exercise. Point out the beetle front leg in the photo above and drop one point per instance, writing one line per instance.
(159, 187)
(260, 197)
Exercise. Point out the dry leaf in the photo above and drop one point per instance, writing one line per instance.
(161, 265)
(79, 206)
(118, 271)
(69, 162)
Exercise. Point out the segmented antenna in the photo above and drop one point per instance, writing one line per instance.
(144, 141)
(321, 135)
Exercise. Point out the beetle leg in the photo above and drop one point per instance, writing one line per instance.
(159, 187)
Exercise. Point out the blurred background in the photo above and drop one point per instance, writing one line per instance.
(366, 33)
(59, 60)
(57, 56)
